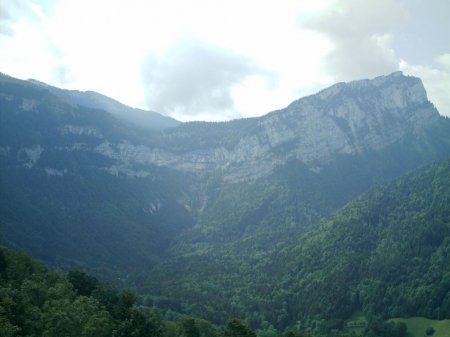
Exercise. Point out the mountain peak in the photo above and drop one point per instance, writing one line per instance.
(402, 89)
(394, 75)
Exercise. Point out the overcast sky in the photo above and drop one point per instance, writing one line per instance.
(218, 60)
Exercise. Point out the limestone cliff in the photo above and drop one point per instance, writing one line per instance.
(346, 118)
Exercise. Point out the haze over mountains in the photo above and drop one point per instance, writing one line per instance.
(228, 219)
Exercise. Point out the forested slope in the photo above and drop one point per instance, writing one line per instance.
(35, 303)
(68, 205)
(386, 253)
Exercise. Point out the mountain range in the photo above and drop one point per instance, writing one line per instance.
(245, 218)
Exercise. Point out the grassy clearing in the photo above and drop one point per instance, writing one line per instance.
(418, 325)
(356, 324)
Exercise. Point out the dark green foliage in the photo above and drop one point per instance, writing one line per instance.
(378, 328)
(3, 264)
(189, 327)
(35, 302)
(385, 253)
(293, 332)
(38, 303)
(235, 328)
(140, 323)
(82, 283)
(430, 331)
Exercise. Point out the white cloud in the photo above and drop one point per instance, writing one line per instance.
(435, 79)
(361, 35)
(30, 56)
(193, 78)
(10, 11)
(104, 45)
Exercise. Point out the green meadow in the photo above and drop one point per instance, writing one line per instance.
(417, 326)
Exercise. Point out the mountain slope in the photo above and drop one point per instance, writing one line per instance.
(36, 302)
(211, 203)
(245, 222)
(137, 118)
(385, 253)
(67, 204)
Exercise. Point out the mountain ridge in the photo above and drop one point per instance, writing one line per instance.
(253, 153)
(147, 120)
(82, 188)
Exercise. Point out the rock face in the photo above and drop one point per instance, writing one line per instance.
(353, 117)
(343, 119)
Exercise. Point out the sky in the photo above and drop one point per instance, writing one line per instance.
(218, 60)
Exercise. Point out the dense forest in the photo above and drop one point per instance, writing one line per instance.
(386, 254)
(37, 302)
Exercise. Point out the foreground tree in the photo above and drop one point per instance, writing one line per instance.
(235, 328)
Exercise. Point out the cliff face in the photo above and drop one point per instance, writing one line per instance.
(353, 117)
(343, 119)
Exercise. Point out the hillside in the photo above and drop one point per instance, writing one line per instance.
(135, 118)
(65, 203)
(227, 219)
(385, 253)
(36, 302)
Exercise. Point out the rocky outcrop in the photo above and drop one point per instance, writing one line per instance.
(346, 118)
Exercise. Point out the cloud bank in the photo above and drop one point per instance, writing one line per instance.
(436, 80)
(368, 36)
(216, 60)
(361, 33)
(10, 10)
(193, 78)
